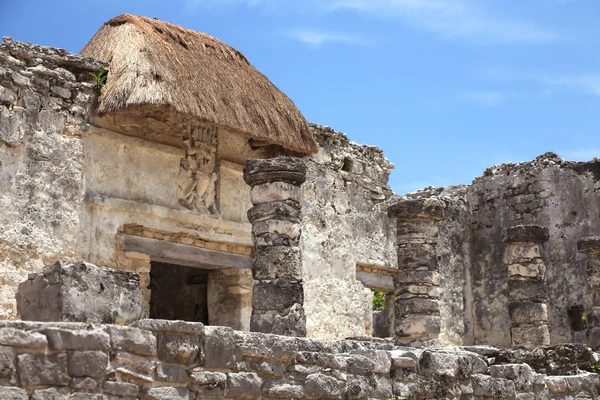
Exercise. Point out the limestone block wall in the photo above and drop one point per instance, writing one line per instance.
(344, 225)
(550, 192)
(158, 359)
(45, 96)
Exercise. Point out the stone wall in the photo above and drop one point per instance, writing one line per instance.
(550, 192)
(158, 359)
(344, 225)
(45, 97)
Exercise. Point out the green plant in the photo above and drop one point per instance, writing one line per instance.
(584, 321)
(99, 76)
(378, 299)
(593, 367)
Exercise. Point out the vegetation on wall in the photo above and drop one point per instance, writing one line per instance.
(378, 299)
(99, 76)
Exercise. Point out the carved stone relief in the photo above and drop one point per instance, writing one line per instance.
(197, 172)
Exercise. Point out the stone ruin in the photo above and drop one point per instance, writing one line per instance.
(153, 253)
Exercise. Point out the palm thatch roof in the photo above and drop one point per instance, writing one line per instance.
(155, 63)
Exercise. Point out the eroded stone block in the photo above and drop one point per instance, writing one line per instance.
(289, 322)
(277, 294)
(272, 262)
(219, 347)
(530, 335)
(132, 340)
(526, 234)
(275, 191)
(286, 169)
(43, 369)
(80, 292)
(536, 270)
(18, 338)
(121, 389)
(283, 389)
(164, 393)
(416, 305)
(523, 312)
(179, 348)
(13, 393)
(527, 289)
(417, 326)
(321, 386)
(87, 363)
(417, 208)
(7, 366)
(244, 385)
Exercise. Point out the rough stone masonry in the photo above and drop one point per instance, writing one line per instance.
(176, 360)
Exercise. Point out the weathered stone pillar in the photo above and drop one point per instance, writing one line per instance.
(527, 284)
(417, 282)
(278, 293)
(591, 246)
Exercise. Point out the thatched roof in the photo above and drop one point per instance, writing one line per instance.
(155, 63)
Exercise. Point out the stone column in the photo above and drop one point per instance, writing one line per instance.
(417, 282)
(278, 293)
(527, 284)
(591, 246)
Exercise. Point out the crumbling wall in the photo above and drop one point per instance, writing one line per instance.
(45, 96)
(548, 191)
(158, 359)
(344, 223)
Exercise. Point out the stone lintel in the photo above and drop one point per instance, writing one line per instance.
(589, 244)
(429, 208)
(526, 234)
(287, 169)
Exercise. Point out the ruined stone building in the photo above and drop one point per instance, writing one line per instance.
(180, 231)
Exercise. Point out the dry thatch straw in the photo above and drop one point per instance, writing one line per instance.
(156, 63)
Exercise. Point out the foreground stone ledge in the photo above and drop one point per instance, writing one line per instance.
(182, 360)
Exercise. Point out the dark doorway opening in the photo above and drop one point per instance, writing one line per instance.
(178, 292)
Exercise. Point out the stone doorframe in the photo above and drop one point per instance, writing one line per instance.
(379, 277)
(138, 246)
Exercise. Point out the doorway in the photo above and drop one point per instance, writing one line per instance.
(178, 292)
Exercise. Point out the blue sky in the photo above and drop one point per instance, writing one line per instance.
(446, 88)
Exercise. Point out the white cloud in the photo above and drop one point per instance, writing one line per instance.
(489, 98)
(318, 38)
(585, 83)
(454, 19)
(449, 19)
